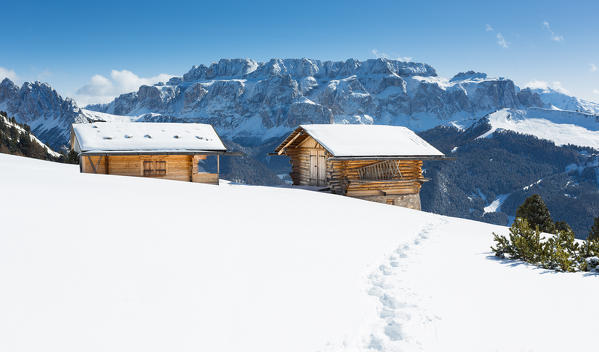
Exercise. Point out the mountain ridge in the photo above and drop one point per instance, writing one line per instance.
(255, 101)
(246, 98)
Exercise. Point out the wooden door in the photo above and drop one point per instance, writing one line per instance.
(318, 168)
(322, 168)
(313, 167)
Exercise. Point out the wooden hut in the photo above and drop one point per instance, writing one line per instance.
(372, 162)
(171, 151)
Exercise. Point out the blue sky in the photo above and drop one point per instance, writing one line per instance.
(110, 47)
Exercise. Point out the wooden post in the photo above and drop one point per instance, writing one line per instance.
(194, 166)
(217, 168)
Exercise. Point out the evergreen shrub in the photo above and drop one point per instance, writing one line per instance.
(560, 252)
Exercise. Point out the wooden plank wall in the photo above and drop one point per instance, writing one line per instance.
(178, 167)
(98, 161)
(300, 161)
(300, 165)
(344, 178)
(205, 177)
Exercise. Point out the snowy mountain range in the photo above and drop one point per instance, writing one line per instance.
(243, 98)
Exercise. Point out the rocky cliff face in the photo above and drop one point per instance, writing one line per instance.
(42, 108)
(242, 97)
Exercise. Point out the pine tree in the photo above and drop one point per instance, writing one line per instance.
(72, 157)
(562, 226)
(536, 213)
(25, 144)
(594, 233)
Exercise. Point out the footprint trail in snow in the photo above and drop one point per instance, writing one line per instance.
(404, 321)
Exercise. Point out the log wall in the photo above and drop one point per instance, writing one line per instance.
(344, 178)
(299, 158)
(178, 167)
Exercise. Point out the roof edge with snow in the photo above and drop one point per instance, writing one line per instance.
(130, 138)
(353, 141)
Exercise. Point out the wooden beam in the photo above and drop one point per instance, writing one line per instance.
(89, 158)
(299, 133)
(98, 164)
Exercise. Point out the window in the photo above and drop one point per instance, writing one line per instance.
(154, 168)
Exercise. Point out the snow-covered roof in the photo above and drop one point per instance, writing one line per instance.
(345, 140)
(145, 137)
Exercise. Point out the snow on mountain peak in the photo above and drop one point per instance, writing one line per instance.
(547, 87)
(225, 68)
(469, 75)
(242, 97)
(556, 97)
(301, 68)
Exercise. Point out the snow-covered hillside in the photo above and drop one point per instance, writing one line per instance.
(561, 100)
(116, 263)
(34, 139)
(560, 127)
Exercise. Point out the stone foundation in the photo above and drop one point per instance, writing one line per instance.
(411, 201)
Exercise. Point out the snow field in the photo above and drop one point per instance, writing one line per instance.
(113, 263)
(454, 295)
(97, 263)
